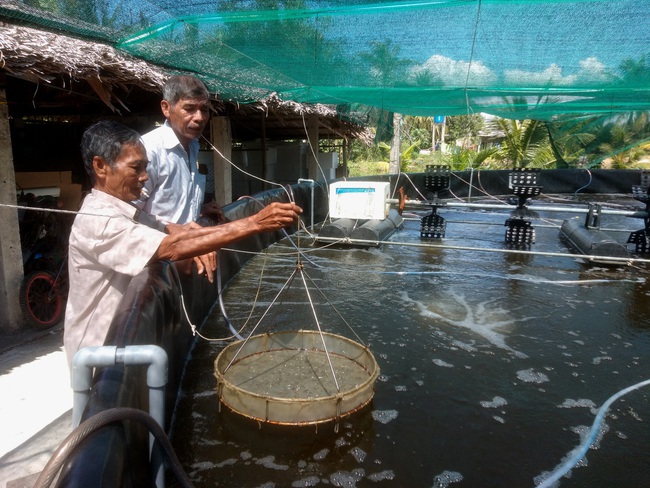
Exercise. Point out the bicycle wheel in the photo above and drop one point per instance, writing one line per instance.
(41, 300)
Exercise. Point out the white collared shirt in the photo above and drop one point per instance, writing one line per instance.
(175, 189)
(107, 249)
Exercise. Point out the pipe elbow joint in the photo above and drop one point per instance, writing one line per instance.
(153, 356)
(87, 358)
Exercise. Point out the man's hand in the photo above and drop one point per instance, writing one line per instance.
(206, 264)
(213, 211)
(277, 215)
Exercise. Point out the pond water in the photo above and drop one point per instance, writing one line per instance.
(493, 365)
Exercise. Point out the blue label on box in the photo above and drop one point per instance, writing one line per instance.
(354, 190)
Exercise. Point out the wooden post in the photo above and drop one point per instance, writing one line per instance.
(395, 150)
(11, 258)
(222, 140)
(265, 163)
(346, 151)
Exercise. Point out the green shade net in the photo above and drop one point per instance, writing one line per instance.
(546, 60)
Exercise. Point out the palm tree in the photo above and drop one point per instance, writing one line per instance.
(526, 144)
(623, 146)
(462, 158)
(570, 139)
(386, 68)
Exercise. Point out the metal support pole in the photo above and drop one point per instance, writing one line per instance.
(312, 184)
(638, 214)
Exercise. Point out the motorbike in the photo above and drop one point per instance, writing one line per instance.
(43, 236)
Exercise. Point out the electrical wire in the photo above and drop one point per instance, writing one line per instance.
(585, 186)
(236, 334)
(582, 449)
(268, 182)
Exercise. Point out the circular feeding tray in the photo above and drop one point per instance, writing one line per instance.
(287, 378)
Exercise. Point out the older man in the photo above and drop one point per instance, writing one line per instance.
(175, 190)
(109, 245)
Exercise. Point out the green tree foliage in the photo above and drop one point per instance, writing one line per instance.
(570, 139)
(619, 141)
(526, 144)
(636, 72)
(85, 10)
(622, 142)
(462, 159)
(384, 64)
(238, 40)
(464, 127)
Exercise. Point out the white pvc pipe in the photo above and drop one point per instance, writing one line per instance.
(88, 358)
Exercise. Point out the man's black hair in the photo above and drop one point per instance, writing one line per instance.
(106, 140)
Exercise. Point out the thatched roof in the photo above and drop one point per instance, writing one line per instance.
(46, 57)
(288, 120)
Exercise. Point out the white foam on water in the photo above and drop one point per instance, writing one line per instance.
(441, 363)
(269, 462)
(203, 466)
(347, 479)
(483, 318)
(306, 482)
(600, 359)
(496, 402)
(340, 442)
(444, 479)
(384, 416)
(400, 388)
(320, 455)
(532, 376)
(583, 432)
(383, 475)
(208, 442)
(226, 462)
(463, 346)
(205, 393)
(582, 402)
(634, 415)
(358, 454)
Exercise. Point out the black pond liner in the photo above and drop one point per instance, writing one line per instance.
(151, 313)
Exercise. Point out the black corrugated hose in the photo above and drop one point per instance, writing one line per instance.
(78, 435)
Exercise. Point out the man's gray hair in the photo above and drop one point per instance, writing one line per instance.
(183, 86)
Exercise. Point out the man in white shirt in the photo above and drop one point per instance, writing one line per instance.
(176, 187)
(109, 246)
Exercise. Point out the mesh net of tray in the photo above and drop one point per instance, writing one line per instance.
(287, 378)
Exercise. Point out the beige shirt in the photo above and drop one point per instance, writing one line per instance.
(107, 249)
